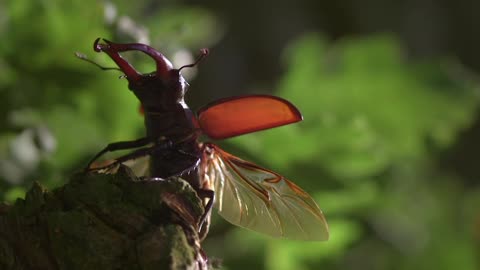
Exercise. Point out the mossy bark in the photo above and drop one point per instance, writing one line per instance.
(100, 221)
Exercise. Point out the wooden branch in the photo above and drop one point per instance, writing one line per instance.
(100, 221)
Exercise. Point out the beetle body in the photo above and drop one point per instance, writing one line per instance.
(245, 194)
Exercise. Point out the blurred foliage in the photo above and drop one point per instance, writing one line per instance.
(375, 124)
(59, 110)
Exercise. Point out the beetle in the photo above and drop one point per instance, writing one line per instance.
(244, 193)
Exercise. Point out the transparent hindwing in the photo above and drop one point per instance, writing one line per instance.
(261, 200)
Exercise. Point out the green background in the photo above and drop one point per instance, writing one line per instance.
(389, 93)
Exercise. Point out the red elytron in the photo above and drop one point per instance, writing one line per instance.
(245, 194)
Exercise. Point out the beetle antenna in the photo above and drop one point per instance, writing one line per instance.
(203, 54)
(82, 56)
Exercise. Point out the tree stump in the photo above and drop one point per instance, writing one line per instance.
(103, 221)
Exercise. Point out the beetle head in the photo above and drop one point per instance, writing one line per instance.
(159, 90)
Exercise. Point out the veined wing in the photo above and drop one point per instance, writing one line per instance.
(261, 200)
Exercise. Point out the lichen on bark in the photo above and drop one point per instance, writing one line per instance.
(103, 221)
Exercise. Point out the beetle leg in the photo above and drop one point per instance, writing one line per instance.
(133, 155)
(204, 222)
(119, 146)
(137, 153)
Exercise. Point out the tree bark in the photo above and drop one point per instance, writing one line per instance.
(102, 221)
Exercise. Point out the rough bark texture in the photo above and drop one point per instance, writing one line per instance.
(100, 221)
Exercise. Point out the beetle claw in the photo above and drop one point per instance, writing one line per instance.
(98, 47)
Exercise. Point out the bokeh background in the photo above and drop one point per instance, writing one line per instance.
(389, 90)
